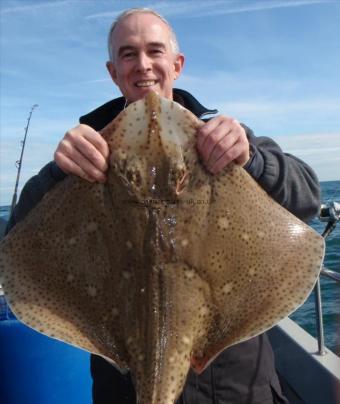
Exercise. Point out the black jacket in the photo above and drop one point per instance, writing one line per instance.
(244, 373)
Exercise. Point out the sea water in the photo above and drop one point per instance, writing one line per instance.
(330, 290)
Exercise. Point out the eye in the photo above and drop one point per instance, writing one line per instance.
(128, 54)
(156, 51)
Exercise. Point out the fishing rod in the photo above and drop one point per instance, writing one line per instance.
(18, 163)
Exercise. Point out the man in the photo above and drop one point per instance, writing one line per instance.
(144, 56)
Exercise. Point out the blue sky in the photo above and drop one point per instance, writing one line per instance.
(272, 64)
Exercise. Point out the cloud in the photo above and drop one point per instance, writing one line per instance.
(213, 8)
(222, 85)
(243, 7)
(34, 7)
(307, 143)
(297, 110)
(106, 14)
(270, 106)
(96, 81)
(320, 150)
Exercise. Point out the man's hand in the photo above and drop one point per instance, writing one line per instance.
(83, 152)
(221, 141)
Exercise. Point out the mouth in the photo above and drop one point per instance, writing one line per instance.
(145, 83)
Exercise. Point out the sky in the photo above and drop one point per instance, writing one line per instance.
(272, 64)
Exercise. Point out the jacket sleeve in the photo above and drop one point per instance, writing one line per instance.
(287, 179)
(34, 190)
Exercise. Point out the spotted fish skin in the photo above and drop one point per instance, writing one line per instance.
(165, 265)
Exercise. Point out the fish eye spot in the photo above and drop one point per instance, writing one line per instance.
(227, 287)
(186, 340)
(223, 222)
(184, 242)
(245, 236)
(189, 273)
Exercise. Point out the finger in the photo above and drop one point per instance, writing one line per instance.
(83, 143)
(222, 147)
(70, 167)
(92, 155)
(243, 157)
(209, 140)
(213, 140)
(220, 164)
(236, 142)
(97, 141)
(89, 141)
(72, 154)
(232, 154)
(206, 129)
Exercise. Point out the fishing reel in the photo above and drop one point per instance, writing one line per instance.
(330, 212)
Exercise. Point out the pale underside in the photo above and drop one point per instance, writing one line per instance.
(165, 265)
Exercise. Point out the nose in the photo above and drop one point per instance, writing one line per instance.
(143, 63)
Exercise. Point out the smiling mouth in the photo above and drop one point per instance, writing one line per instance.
(145, 83)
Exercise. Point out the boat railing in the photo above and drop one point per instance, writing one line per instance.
(329, 213)
(330, 274)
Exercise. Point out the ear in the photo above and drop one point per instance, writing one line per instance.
(112, 71)
(178, 64)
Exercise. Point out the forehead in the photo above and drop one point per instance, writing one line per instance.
(138, 29)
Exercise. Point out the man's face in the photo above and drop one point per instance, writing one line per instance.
(143, 57)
